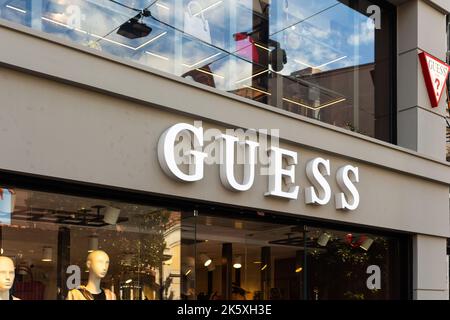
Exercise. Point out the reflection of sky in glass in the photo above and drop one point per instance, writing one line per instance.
(322, 34)
(338, 37)
(325, 35)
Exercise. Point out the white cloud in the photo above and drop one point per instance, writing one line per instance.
(366, 35)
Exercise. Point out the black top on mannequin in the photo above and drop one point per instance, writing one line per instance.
(99, 296)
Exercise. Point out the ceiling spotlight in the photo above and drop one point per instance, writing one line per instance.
(92, 243)
(206, 261)
(237, 263)
(365, 245)
(129, 281)
(299, 260)
(47, 254)
(323, 239)
(134, 28)
(111, 215)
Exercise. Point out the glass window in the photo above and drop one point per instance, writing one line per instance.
(255, 258)
(329, 60)
(68, 247)
(448, 91)
(59, 243)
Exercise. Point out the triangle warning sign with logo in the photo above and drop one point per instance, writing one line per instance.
(435, 73)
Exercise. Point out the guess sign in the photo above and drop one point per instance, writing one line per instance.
(280, 174)
(435, 73)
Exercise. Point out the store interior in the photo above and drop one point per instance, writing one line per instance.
(48, 232)
(244, 259)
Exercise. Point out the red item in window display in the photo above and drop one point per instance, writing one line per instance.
(245, 47)
(354, 242)
(30, 290)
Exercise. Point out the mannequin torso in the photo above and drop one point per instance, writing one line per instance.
(97, 264)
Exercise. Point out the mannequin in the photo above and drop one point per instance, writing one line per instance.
(7, 274)
(97, 263)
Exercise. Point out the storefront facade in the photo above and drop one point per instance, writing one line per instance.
(87, 147)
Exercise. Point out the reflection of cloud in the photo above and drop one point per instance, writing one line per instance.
(365, 36)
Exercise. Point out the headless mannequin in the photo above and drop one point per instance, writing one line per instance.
(7, 275)
(97, 263)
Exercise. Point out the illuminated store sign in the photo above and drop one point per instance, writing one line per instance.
(281, 169)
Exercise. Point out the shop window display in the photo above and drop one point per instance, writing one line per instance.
(270, 260)
(67, 247)
(328, 60)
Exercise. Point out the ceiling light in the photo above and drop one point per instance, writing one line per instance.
(163, 6)
(264, 267)
(252, 76)
(323, 239)
(188, 271)
(258, 90)
(299, 261)
(210, 73)
(207, 8)
(111, 215)
(133, 28)
(129, 281)
(93, 243)
(237, 263)
(206, 261)
(16, 9)
(201, 61)
(47, 254)
(157, 55)
(319, 66)
(315, 108)
(367, 243)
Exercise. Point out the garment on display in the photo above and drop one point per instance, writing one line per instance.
(97, 263)
(245, 47)
(195, 24)
(28, 288)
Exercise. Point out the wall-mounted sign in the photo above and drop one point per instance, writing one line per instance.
(186, 164)
(435, 73)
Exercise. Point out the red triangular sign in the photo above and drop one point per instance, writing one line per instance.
(435, 73)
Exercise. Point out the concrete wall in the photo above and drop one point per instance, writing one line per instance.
(422, 27)
(58, 130)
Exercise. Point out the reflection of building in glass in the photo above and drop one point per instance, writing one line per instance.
(217, 44)
(343, 97)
